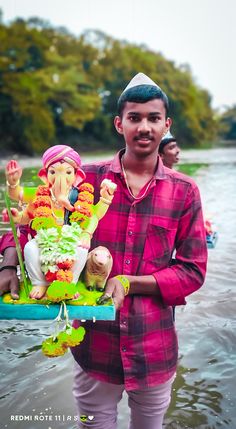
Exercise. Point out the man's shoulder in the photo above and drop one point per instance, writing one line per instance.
(96, 166)
(97, 171)
(178, 177)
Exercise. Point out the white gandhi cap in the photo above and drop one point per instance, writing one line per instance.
(140, 79)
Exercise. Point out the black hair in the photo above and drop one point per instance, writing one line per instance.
(142, 94)
(164, 142)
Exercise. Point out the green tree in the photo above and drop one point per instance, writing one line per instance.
(42, 83)
(55, 87)
(227, 124)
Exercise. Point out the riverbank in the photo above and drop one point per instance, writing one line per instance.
(216, 155)
(36, 161)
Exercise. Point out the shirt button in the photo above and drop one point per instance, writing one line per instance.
(127, 261)
(130, 233)
(123, 349)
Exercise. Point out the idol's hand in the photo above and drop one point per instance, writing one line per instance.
(13, 173)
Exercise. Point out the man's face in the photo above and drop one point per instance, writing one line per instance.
(170, 155)
(143, 126)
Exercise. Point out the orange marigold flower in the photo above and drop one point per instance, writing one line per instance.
(65, 265)
(43, 212)
(86, 196)
(77, 217)
(65, 276)
(84, 208)
(43, 190)
(42, 201)
(86, 187)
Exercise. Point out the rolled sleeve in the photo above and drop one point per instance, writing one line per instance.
(170, 287)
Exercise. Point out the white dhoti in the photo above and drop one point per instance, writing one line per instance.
(33, 265)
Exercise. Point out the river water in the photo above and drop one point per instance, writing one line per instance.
(204, 390)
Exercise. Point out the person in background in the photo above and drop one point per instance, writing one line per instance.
(155, 211)
(169, 150)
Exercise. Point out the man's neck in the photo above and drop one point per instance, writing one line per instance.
(140, 165)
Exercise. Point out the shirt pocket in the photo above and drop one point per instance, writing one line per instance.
(158, 248)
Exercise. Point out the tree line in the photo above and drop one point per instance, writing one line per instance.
(56, 88)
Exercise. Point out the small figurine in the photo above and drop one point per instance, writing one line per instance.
(97, 268)
(63, 215)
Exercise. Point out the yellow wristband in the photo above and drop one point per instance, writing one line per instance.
(125, 283)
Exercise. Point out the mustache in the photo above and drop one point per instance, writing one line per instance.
(143, 135)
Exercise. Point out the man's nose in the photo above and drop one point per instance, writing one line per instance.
(144, 126)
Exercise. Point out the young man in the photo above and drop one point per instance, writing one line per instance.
(169, 150)
(155, 210)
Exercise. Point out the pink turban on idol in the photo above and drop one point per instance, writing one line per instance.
(62, 153)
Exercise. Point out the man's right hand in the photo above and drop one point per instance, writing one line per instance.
(9, 281)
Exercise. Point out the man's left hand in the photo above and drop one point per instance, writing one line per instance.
(114, 290)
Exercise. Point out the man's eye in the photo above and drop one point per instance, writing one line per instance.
(133, 118)
(154, 119)
(68, 172)
(51, 171)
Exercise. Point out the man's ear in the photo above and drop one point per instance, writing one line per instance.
(168, 123)
(118, 124)
(43, 174)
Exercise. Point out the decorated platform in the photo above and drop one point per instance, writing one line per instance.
(85, 307)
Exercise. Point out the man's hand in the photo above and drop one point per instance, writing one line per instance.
(114, 290)
(9, 281)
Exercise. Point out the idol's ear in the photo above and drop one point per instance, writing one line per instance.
(43, 174)
(79, 177)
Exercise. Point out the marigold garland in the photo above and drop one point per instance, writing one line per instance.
(84, 208)
(86, 196)
(43, 222)
(42, 200)
(64, 276)
(86, 187)
(58, 244)
(58, 251)
(52, 347)
(77, 217)
(42, 212)
(60, 290)
(58, 345)
(43, 190)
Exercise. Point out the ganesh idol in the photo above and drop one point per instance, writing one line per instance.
(61, 212)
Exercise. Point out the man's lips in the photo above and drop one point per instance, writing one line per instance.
(143, 140)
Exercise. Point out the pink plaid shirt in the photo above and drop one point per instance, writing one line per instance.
(139, 349)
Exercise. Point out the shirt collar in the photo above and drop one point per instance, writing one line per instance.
(116, 166)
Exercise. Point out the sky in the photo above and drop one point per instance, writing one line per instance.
(199, 33)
